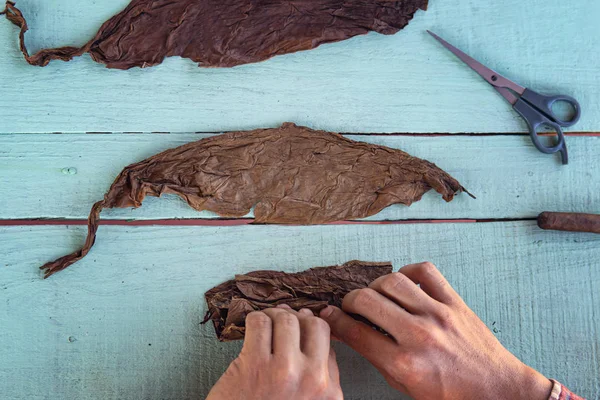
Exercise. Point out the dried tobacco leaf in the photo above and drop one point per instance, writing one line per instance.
(230, 302)
(290, 175)
(225, 33)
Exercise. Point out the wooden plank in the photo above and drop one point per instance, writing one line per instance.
(375, 83)
(510, 178)
(124, 322)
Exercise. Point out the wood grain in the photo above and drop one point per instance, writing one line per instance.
(124, 322)
(61, 176)
(375, 83)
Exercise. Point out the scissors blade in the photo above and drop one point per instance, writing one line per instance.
(500, 83)
(507, 94)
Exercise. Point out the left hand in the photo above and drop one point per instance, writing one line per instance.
(286, 356)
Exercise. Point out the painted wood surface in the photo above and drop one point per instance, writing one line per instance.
(375, 83)
(61, 176)
(125, 324)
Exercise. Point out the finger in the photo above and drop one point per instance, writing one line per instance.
(259, 330)
(314, 333)
(286, 331)
(303, 311)
(432, 282)
(289, 309)
(380, 310)
(307, 312)
(403, 291)
(332, 366)
(372, 345)
(314, 337)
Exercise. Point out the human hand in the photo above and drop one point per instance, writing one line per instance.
(286, 356)
(437, 347)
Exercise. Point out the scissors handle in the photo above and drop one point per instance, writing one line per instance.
(544, 104)
(535, 120)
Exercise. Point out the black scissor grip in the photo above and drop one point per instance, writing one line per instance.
(535, 120)
(544, 104)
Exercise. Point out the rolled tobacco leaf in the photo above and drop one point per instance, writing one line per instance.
(290, 175)
(225, 33)
(230, 302)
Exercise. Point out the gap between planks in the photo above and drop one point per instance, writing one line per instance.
(432, 134)
(237, 222)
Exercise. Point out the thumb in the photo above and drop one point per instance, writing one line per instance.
(371, 344)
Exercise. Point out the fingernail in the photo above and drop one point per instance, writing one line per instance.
(284, 306)
(306, 311)
(326, 312)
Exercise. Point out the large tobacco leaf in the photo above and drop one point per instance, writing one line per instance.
(224, 33)
(290, 175)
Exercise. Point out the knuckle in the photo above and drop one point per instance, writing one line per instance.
(368, 301)
(394, 282)
(422, 330)
(317, 381)
(365, 297)
(258, 318)
(286, 319)
(440, 281)
(428, 268)
(434, 275)
(430, 335)
(351, 298)
(399, 366)
(445, 317)
(412, 370)
(286, 373)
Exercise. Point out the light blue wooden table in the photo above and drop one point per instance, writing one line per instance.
(124, 322)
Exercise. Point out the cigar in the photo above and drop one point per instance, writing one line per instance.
(572, 222)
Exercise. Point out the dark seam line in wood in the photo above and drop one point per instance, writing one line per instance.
(590, 134)
(433, 134)
(487, 220)
(237, 222)
(437, 134)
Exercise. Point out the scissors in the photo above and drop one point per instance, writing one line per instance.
(535, 108)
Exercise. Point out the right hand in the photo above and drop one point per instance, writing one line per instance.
(437, 348)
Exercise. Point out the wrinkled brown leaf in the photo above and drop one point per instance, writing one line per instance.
(230, 302)
(290, 175)
(225, 33)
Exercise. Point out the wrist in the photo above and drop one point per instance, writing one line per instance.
(514, 380)
(534, 386)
